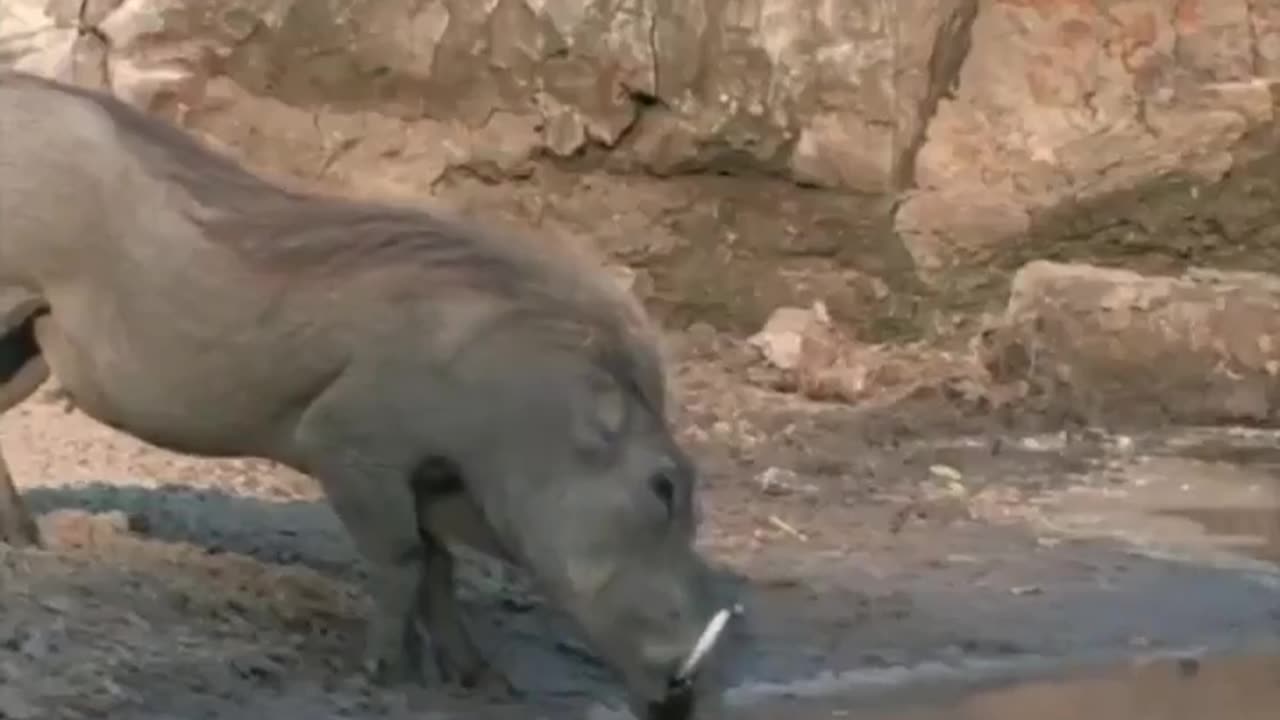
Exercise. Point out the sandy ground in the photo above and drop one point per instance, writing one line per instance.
(874, 547)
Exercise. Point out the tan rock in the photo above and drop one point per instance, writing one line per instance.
(743, 80)
(950, 133)
(1106, 343)
(782, 340)
(1062, 102)
(34, 41)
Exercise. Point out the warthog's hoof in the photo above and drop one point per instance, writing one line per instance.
(479, 677)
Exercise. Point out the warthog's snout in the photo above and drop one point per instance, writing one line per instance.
(663, 626)
(681, 698)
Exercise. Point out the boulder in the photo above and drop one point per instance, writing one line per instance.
(1111, 344)
(1062, 104)
(831, 94)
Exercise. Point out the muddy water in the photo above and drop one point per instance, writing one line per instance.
(1202, 495)
(1240, 688)
(1252, 522)
(1256, 531)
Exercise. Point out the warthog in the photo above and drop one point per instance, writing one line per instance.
(438, 380)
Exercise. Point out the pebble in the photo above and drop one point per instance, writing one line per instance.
(777, 481)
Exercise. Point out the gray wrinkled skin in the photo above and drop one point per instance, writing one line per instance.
(439, 381)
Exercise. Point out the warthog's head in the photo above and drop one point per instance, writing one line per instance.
(598, 500)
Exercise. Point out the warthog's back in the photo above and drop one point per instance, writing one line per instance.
(134, 230)
(57, 154)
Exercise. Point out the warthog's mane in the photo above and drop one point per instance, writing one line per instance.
(559, 297)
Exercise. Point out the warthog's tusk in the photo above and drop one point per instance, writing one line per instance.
(706, 643)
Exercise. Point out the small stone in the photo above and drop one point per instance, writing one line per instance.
(777, 482)
(782, 338)
(36, 644)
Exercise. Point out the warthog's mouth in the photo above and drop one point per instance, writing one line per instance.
(678, 703)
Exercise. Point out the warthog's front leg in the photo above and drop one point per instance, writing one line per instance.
(456, 655)
(377, 511)
(17, 527)
(369, 489)
(372, 477)
(22, 371)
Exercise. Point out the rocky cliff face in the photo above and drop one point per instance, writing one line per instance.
(890, 157)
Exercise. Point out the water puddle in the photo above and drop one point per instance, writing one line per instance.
(1250, 523)
(1237, 688)
(1252, 531)
(1191, 504)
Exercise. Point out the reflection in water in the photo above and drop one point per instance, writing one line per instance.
(1257, 529)
(1218, 689)
(1249, 523)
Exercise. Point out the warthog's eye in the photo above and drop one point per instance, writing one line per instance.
(665, 489)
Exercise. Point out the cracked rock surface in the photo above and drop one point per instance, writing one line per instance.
(911, 153)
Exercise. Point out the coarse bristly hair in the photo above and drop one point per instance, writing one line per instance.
(571, 301)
